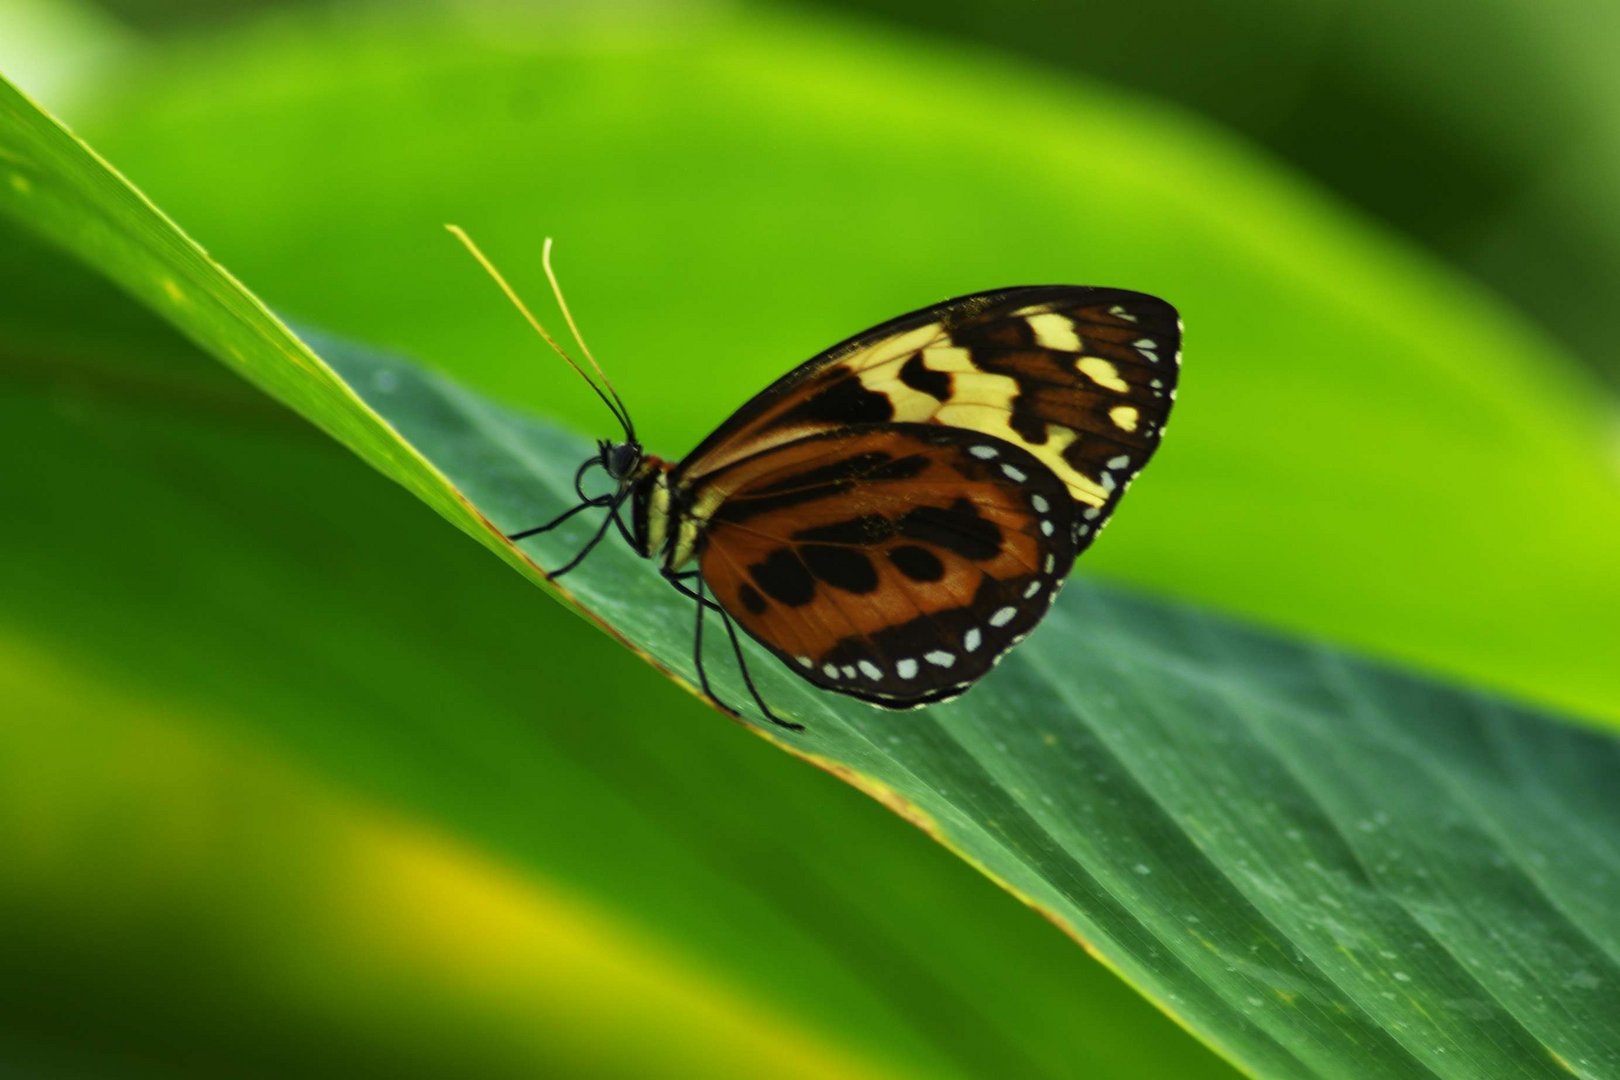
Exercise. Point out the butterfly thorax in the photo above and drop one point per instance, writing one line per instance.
(652, 507)
(662, 523)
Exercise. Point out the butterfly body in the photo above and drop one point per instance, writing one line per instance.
(892, 516)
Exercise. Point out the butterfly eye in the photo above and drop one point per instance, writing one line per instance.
(621, 460)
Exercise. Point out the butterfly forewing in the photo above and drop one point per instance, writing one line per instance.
(1080, 378)
(893, 562)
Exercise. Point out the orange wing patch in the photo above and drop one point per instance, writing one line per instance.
(895, 564)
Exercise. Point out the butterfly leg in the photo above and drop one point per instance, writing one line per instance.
(697, 640)
(556, 521)
(679, 581)
(748, 680)
(612, 515)
(585, 503)
(703, 603)
(624, 530)
(579, 477)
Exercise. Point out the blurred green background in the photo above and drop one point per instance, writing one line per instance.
(299, 782)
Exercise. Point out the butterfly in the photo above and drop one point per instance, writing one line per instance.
(892, 516)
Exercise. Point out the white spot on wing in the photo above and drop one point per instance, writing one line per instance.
(869, 669)
(906, 669)
(1119, 462)
(830, 671)
(1121, 313)
(1046, 527)
(804, 661)
(1040, 504)
(984, 453)
(1003, 616)
(971, 639)
(1034, 587)
(940, 658)
(1013, 473)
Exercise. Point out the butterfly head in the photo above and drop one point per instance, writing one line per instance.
(619, 460)
(642, 482)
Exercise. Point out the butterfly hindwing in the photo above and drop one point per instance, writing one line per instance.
(893, 562)
(1081, 378)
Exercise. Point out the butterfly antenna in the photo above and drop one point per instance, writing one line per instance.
(573, 328)
(511, 294)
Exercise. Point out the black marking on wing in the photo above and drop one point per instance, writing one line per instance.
(848, 468)
(841, 567)
(994, 335)
(785, 578)
(957, 528)
(917, 563)
(845, 401)
(920, 377)
(863, 530)
(822, 482)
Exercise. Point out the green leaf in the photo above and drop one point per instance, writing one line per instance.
(1312, 813)
(1309, 858)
